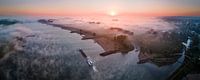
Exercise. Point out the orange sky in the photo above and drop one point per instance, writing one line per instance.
(101, 7)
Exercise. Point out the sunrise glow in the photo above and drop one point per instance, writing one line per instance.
(100, 7)
(112, 13)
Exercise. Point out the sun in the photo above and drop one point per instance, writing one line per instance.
(112, 13)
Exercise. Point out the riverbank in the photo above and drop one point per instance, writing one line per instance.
(110, 40)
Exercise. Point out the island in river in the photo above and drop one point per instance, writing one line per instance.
(157, 46)
(112, 40)
(32, 49)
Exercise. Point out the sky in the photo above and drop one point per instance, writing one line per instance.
(101, 7)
